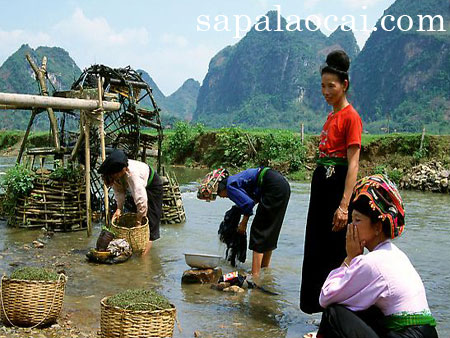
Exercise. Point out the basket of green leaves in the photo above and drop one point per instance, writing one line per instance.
(32, 297)
(137, 313)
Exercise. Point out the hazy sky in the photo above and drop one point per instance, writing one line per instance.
(160, 37)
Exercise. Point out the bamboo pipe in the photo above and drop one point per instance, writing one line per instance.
(25, 101)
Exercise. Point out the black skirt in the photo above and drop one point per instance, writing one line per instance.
(154, 205)
(266, 226)
(324, 249)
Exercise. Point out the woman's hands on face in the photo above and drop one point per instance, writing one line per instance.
(353, 245)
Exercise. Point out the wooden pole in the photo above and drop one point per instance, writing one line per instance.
(25, 101)
(421, 140)
(77, 144)
(25, 137)
(87, 165)
(302, 132)
(40, 75)
(102, 145)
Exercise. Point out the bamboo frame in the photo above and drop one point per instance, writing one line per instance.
(54, 204)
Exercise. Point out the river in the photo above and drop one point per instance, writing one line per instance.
(219, 314)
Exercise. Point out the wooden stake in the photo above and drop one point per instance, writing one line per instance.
(87, 164)
(40, 75)
(102, 145)
(302, 131)
(421, 140)
(25, 137)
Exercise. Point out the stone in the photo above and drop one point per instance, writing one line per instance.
(197, 334)
(38, 244)
(234, 288)
(220, 286)
(202, 276)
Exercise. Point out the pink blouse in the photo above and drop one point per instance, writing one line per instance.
(384, 277)
(136, 181)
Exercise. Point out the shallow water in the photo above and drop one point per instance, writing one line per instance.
(217, 314)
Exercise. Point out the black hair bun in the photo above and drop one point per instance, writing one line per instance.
(339, 60)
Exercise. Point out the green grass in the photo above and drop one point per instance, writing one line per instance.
(33, 273)
(9, 138)
(139, 300)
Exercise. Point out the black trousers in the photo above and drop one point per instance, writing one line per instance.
(340, 322)
(154, 205)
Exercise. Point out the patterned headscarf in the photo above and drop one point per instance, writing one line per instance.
(385, 198)
(208, 188)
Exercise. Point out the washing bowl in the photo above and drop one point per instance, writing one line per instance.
(201, 261)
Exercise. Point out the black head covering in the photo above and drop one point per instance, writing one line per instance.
(114, 163)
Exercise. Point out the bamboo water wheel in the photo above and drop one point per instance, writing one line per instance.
(135, 128)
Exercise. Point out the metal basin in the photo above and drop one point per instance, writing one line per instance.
(202, 261)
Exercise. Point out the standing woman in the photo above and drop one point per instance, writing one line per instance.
(144, 184)
(332, 183)
(263, 186)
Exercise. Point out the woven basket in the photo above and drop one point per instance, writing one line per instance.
(121, 323)
(138, 237)
(27, 303)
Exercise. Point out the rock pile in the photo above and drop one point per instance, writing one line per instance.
(431, 176)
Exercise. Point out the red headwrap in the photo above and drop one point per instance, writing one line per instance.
(208, 188)
(385, 198)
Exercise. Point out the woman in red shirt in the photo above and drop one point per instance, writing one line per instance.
(332, 183)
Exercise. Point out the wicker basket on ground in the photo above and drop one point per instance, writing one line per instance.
(136, 236)
(122, 323)
(31, 303)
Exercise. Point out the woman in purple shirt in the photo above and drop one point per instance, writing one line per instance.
(263, 186)
(379, 294)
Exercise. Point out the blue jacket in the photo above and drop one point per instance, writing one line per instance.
(243, 190)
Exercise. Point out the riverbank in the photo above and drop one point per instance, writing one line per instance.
(397, 155)
(11, 140)
(401, 156)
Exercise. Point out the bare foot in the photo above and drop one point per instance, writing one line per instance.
(148, 246)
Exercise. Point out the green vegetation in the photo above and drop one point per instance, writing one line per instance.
(139, 300)
(71, 173)
(8, 138)
(33, 273)
(17, 182)
(234, 148)
(181, 142)
(237, 149)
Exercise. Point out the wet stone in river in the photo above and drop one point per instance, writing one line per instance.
(201, 276)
